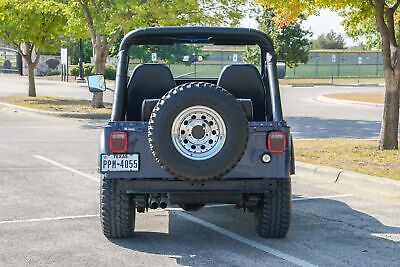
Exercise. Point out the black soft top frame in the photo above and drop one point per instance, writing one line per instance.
(196, 34)
(189, 34)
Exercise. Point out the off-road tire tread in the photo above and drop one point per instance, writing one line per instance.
(274, 211)
(116, 211)
(171, 94)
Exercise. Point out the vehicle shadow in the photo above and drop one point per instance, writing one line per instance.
(319, 226)
(314, 127)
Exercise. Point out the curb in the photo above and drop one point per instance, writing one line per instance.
(76, 115)
(335, 84)
(325, 99)
(368, 183)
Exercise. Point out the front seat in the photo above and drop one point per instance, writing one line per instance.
(148, 81)
(244, 81)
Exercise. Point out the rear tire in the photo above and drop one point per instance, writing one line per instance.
(273, 211)
(171, 146)
(117, 212)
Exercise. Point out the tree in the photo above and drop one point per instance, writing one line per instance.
(31, 26)
(331, 40)
(291, 42)
(107, 20)
(381, 15)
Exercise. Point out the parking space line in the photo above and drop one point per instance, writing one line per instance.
(50, 219)
(321, 197)
(246, 241)
(65, 167)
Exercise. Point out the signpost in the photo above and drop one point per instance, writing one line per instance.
(64, 64)
(154, 57)
(80, 78)
(235, 57)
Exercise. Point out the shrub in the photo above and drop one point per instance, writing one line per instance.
(110, 72)
(73, 70)
(53, 73)
(88, 69)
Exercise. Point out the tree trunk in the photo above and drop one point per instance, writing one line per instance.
(390, 121)
(100, 57)
(31, 78)
(27, 54)
(385, 22)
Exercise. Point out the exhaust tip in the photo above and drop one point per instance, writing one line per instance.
(163, 205)
(153, 205)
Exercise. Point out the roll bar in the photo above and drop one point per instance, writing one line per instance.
(195, 34)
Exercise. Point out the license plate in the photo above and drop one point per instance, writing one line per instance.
(119, 163)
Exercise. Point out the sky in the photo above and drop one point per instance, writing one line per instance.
(323, 23)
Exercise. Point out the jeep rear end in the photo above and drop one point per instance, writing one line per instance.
(193, 141)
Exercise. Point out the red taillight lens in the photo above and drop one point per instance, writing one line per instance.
(276, 142)
(118, 142)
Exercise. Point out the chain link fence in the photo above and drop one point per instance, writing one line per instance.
(321, 63)
(339, 63)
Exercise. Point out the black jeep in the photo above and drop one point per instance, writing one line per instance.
(190, 138)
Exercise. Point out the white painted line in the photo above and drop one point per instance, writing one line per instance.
(246, 241)
(50, 219)
(62, 166)
(321, 197)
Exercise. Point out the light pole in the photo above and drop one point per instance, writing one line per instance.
(80, 79)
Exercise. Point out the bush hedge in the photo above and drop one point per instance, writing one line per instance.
(88, 69)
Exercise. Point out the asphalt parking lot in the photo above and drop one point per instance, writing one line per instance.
(49, 214)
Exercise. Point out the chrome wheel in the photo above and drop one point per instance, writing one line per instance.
(198, 133)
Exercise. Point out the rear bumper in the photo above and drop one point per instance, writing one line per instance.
(175, 186)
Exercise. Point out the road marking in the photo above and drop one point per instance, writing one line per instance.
(246, 241)
(65, 167)
(321, 197)
(50, 219)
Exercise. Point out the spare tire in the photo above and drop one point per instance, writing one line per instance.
(198, 131)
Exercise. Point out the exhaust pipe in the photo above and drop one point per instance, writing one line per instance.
(163, 202)
(153, 203)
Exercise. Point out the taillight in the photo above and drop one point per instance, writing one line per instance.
(118, 142)
(276, 142)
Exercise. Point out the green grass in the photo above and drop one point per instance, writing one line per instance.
(57, 104)
(369, 97)
(350, 154)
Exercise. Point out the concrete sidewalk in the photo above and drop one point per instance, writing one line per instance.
(12, 85)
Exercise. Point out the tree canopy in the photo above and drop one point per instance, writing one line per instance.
(361, 18)
(36, 22)
(331, 40)
(105, 21)
(291, 41)
(32, 26)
